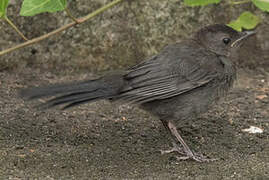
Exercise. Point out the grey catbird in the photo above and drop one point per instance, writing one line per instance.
(180, 82)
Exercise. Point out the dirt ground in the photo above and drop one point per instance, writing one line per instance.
(112, 141)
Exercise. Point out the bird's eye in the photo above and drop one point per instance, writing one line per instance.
(226, 40)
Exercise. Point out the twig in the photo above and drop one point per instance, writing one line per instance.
(15, 28)
(80, 20)
(71, 16)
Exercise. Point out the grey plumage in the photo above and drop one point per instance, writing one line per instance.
(182, 81)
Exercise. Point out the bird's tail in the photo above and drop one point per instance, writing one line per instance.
(75, 93)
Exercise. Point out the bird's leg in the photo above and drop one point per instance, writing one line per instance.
(184, 150)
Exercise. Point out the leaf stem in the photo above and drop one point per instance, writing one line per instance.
(80, 20)
(15, 28)
(240, 2)
(71, 16)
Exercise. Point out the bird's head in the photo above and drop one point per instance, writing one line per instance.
(221, 39)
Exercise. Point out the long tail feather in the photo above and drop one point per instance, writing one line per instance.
(76, 93)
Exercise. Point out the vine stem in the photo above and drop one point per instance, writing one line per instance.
(15, 28)
(70, 15)
(78, 21)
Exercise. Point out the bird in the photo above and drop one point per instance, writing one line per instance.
(181, 82)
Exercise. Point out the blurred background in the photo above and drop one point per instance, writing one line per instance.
(121, 36)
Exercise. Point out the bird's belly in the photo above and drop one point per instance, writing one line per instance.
(185, 106)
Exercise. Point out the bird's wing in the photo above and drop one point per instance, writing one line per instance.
(168, 74)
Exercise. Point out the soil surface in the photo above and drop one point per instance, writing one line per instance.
(112, 141)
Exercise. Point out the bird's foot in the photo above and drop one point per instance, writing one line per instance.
(187, 154)
(196, 157)
(175, 148)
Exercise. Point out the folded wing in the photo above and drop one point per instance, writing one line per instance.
(156, 79)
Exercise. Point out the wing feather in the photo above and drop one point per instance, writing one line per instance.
(165, 76)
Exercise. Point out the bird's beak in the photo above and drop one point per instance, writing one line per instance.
(243, 35)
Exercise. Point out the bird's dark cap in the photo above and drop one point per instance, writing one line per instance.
(218, 28)
(237, 36)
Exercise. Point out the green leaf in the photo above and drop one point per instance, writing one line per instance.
(200, 2)
(246, 20)
(3, 7)
(262, 4)
(33, 7)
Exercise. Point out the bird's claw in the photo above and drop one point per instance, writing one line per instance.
(175, 148)
(196, 157)
(186, 154)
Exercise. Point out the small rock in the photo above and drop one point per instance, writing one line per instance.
(253, 130)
